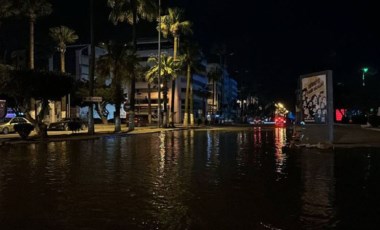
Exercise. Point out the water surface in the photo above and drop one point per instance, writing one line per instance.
(188, 180)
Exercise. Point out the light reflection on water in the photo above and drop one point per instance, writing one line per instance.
(279, 143)
(186, 180)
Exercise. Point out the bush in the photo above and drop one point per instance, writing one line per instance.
(24, 129)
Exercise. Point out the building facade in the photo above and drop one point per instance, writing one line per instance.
(77, 63)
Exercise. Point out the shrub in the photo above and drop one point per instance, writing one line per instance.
(24, 129)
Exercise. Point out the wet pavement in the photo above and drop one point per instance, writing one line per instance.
(345, 136)
(220, 178)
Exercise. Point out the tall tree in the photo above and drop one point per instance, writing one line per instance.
(63, 35)
(119, 65)
(214, 74)
(168, 69)
(23, 85)
(192, 58)
(33, 9)
(174, 24)
(100, 89)
(131, 11)
(7, 9)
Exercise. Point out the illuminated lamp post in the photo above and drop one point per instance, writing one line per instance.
(365, 70)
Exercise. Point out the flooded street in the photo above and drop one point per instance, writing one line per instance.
(188, 180)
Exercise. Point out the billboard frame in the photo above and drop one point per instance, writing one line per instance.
(315, 84)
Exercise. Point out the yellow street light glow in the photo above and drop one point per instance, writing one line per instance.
(280, 105)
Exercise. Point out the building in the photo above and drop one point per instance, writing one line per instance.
(222, 98)
(77, 63)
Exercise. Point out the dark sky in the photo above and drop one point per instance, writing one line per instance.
(273, 41)
(277, 41)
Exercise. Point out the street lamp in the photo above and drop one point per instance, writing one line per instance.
(365, 70)
(91, 128)
(159, 64)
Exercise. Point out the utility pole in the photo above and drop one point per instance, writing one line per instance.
(91, 129)
(159, 64)
(365, 70)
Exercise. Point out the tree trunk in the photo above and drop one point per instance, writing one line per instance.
(165, 95)
(116, 82)
(213, 101)
(172, 104)
(204, 117)
(99, 108)
(149, 106)
(41, 128)
(131, 125)
(117, 118)
(31, 42)
(62, 56)
(176, 44)
(191, 112)
(133, 80)
(31, 62)
(186, 115)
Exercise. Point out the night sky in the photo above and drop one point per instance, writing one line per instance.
(273, 41)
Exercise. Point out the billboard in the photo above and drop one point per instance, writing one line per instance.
(315, 105)
(314, 99)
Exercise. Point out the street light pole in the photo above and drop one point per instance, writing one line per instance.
(159, 64)
(365, 70)
(91, 129)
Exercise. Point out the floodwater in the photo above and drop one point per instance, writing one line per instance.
(188, 180)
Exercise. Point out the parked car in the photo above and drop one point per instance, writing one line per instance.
(8, 127)
(255, 121)
(64, 124)
(139, 120)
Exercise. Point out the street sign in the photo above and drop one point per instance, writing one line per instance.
(92, 99)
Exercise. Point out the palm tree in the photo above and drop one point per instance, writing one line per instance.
(131, 11)
(192, 58)
(7, 9)
(173, 24)
(63, 35)
(214, 73)
(32, 9)
(119, 64)
(168, 70)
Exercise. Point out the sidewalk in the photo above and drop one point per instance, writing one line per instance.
(100, 130)
(345, 135)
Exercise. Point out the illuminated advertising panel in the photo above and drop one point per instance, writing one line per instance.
(314, 99)
(315, 107)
